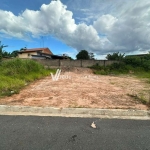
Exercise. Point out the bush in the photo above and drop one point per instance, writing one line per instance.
(17, 66)
(97, 67)
(146, 65)
(132, 67)
(16, 73)
(133, 61)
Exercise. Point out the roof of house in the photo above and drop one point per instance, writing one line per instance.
(138, 55)
(43, 50)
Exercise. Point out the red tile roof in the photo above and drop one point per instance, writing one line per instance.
(43, 50)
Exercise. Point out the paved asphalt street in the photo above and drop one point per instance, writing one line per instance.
(59, 133)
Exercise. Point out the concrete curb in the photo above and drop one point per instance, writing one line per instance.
(75, 112)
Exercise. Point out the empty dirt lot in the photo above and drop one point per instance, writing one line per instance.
(80, 88)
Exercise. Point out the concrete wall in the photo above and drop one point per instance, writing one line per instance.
(88, 63)
(49, 62)
(109, 62)
(71, 63)
(74, 63)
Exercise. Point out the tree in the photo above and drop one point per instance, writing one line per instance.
(91, 55)
(66, 56)
(115, 56)
(23, 49)
(83, 54)
(1, 49)
(6, 54)
(14, 53)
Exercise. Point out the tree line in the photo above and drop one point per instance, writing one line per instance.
(138, 62)
(4, 53)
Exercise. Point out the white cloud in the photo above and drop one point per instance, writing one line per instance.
(128, 29)
(11, 24)
(56, 20)
(132, 30)
(104, 23)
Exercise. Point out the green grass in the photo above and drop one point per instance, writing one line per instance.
(141, 99)
(121, 68)
(16, 73)
(143, 74)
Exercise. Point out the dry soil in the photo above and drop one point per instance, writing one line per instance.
(79, 87)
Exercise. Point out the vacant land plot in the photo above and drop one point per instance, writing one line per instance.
(81, 88)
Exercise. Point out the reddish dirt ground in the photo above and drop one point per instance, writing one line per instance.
(79, 88)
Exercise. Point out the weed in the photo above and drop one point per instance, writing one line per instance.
(140, 99)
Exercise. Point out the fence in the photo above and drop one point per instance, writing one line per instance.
(75, 63)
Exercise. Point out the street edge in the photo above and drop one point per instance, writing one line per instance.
(75, 112)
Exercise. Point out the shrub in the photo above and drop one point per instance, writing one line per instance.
(16, 73)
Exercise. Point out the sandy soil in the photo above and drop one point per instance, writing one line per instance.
(80, 88)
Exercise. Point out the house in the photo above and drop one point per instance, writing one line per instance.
(38, 53)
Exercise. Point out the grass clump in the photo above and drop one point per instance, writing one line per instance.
(16, 73)
(122, 68)
(140, 99)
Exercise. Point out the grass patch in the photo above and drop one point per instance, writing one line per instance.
(143, 74)
(16, 73)
(122, 69)
(140, 99)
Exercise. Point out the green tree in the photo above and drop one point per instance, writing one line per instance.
(115, 56)
(23, 49)
(1, 50)
(14, 53)
(91, 55)
(83, 54)
(5, 54)
(147, 56)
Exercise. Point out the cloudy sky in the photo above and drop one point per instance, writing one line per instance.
(68, 26)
